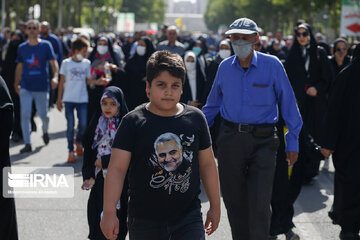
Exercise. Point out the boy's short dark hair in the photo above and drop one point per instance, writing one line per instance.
(79, 44)
(161, 61)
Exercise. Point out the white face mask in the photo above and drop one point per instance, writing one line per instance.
(140, 50)
(224, 53)
(242, 48)
(101, 49)
(190, 66)
(79, 57)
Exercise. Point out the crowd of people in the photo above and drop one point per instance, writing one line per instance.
(292, 100)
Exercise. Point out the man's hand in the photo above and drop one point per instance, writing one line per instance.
(212, 220)
(110, 225)
(113, 68)
(195, 103)
(88, 184)
(17, 89)
(54, 83)
(326, 152)
(101, 82)
(98, 163)
(291, 157)
(311, 91)
(59, 104)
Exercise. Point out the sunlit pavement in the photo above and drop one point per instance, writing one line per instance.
(58, 218)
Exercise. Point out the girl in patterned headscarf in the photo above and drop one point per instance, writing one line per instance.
(97, 143)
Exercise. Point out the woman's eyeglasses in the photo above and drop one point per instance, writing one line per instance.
(31, 28)
(341, 49)
(304, 34)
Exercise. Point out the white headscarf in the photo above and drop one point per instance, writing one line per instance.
(191, 74)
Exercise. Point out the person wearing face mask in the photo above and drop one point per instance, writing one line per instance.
(224, 52)
(135, 70)
(103, 52)
(74, 76)
(194, 86)
(248, 89)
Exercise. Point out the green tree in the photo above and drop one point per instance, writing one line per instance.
(273, 14)
(146, 10)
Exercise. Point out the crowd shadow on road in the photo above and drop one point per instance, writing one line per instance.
(17, 157)
(76, 165)
(56, 135)
(319, 192)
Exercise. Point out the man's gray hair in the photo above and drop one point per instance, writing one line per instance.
(33, 21)
(172, 27)
(165, 138)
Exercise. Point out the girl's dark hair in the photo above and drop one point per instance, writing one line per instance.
(79, 44)
(161, 61)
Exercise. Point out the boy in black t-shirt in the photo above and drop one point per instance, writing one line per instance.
(165, 147)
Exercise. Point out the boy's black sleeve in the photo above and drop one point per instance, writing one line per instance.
(125, 135)
(205, 139)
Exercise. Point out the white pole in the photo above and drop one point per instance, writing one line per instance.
(60, 16)
(2, 14)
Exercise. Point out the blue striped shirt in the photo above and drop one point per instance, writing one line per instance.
(252, 96)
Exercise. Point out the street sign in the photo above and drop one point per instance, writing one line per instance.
(350, 17)
(126, 22)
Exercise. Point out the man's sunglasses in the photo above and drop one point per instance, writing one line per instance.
(304, 34)
(31, 28)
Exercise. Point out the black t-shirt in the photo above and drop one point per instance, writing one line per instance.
(164, 179)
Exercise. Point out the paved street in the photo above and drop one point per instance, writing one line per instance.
(57, 219)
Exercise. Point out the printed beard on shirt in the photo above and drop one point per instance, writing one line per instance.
(172, 162)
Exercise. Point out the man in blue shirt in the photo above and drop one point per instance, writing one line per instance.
(32, 73)
(45, 33)
(172, 44)
(247, 90)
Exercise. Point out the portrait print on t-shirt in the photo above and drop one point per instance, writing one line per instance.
(78, 74)
(172, 162)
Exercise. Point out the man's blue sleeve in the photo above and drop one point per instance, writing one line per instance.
(289, 109)
(51, 54)
(214, 101)
(59, 51)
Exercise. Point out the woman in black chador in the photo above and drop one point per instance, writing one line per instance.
(8, 226)
(342, 137)
(135, 70)
(310, 74)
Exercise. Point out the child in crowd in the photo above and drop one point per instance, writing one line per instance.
(166, 147)
(74, 75)
(98, 140)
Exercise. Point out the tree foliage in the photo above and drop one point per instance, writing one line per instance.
(146, 10)
(273, 14)
(99, 14)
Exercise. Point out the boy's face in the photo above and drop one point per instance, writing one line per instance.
(83, 52)
(109, 107)
(164, 92)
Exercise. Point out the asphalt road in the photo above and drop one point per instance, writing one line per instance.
(58, 218)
